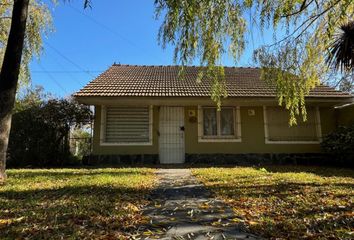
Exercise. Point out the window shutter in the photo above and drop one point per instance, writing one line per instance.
(127, 125)
(279, 129)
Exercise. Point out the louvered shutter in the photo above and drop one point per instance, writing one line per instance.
(127, 125)
(279, 129)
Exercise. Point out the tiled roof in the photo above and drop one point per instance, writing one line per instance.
(163, 81)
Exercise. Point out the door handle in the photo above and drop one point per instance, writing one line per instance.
(182, 128)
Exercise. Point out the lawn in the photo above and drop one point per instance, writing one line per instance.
(287, 202)
(73, 203)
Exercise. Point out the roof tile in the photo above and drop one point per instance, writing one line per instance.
(132, 80)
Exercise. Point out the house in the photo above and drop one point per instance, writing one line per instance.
(149, 114)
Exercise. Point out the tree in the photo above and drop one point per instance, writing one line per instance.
(295, 63)
(40, 130)
(28, 97)
(346, 84)
(341, 55)
(38, 26)
(19, 45)
(9, 75)
(341, 52)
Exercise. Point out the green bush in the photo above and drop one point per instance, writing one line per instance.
(340, 142)
(40, 133)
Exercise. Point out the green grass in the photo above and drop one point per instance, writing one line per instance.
(287, 202)
(73, 203)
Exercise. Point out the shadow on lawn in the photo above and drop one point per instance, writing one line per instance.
(291, 187)
(294, 210)
(52, 173)
(75, 203)
(320, 171)
(70, 211)
(69, 191)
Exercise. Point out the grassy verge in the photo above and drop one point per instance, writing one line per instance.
(287, 202)
(73, 203)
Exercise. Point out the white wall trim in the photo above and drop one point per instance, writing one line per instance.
(126, 144)
(151, 124)
(265, 121)
(103, 129)
(266, 133)
(237, 127)
(219, 140)
(292, 142)
(200, 122)
(103, 124)
(238, 123)
(318, 124)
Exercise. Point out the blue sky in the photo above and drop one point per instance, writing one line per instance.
(87, 42)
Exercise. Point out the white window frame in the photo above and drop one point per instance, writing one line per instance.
(318, 130)
(103, 130)
(220, 138)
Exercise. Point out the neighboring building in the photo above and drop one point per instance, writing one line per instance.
(149, 114)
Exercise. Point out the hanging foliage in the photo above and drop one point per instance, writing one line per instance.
(39, 25)
(295, 63)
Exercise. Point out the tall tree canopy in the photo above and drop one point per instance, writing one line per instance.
(39, 24)
(342, 49)
(295, 63)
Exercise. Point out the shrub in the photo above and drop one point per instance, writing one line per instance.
(340, 142)
(40, 133)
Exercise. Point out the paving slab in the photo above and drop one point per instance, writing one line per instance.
(182, 208)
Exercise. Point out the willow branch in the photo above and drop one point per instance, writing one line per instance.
(311, 19)
(302, 8)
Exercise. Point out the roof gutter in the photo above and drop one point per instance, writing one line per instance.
(345, 105)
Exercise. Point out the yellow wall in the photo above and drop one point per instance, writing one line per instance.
(253, 138)
(345, 115)
(252, 129)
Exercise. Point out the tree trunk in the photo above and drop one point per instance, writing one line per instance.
(9, 76)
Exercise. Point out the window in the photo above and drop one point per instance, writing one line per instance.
(126, 125)
(277, 129)
(219, 125)
(227, 122)
(209, 122)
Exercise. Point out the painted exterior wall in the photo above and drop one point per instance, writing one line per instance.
(252, 129)
(345, 115)
(328, 120)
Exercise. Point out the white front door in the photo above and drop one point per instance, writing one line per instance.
(171, 140)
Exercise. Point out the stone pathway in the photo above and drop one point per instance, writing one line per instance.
(184, 209)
